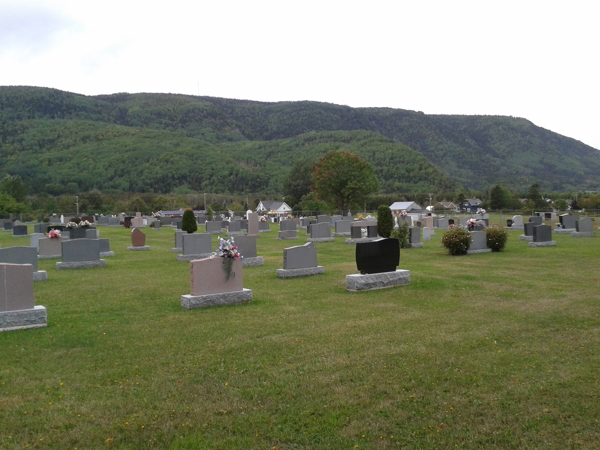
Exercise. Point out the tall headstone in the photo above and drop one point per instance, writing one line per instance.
(300, 261)
(215, 281)
(414, 237)
(253, 225)
(178, 241)
(24, 255)
(18, 310)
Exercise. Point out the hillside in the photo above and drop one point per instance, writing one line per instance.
(475, 151)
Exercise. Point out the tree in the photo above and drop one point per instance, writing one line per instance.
(343, 179)
(534, 195)
(137, 204)
(385, 221)
(9, 205)
(15, 187)
(298, 181)
(188, 223)
(498, 198)
(309, 203)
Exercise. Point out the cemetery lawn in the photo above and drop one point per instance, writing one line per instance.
(489, 351)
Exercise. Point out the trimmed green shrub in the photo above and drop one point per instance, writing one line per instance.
(385, 221)
(188, 223)
(457, 241)
(209, 213)
(401, 234)
(496, 238)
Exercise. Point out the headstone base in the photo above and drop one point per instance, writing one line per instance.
(564, 230)
(373, 281)
(192, 257)
(253, 261)
(176, 249)
(305, 272)
(24, 319)
(515, 228)
(329, 239)
(264, 231)
(287, 239)
(227, 298)
(236, 233)
(583, 234)
(481, 250)
(526, 238)
(341, 234)
(214, 232)
(40, 275)
(80, 264)
(106, 254)
(417, 245)
(359, 240)
(542, 244)
(20, 235)
(49, 256)
(143, 248)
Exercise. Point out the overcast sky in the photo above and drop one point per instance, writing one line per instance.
(533, 59)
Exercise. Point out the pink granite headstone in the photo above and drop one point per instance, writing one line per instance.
(138, 239)
(16, 287)
(211, 276)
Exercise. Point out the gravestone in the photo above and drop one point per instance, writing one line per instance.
(34, 240)
(105, 250)
(569, 222)
(404, 220)
(235, 228)
(244, 224)
(263, 226)
(428, 222)
(114, 221)
(92, 233)
(24, 255)
(443, 223)
(342, 227)
(80, 253)
(478, 243)
(179, 241)
(156, 225)
(356, 229)
(320, 232)
(305, 222)
(41, 228)
(50, 248)
(195, 246)
(215, 281)
(300, 261)
(414, 238)
(19, 230)
(517, 221)
(103, 220)
(138, 241)
(542, 237)
(213, 226)
(287, 225)
(528, 232)
(18, 310)
(90, 219)
(201, 219)
(584, 228)
(536, 220)
(334, 219)
(324, 218)
(427, 234)
(137, 221)
(247, 247)
(253, 225)
(377, 262)
(287, 235)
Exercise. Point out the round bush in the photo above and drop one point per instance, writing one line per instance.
(401, 233)
(457, 241)
(496, 238)
(188, 222)
(385, 221)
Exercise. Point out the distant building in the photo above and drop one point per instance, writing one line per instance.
(471, 205)
(406, 206)
(273, 207)
(446, 205)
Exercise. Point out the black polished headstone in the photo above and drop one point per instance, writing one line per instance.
(509, 223)
(528, 228)
(542, 233)
(381, 255)
(19, 230)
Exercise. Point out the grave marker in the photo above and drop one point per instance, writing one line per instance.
(18, 310)
(300, 261)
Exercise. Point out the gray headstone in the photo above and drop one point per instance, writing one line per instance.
(320, 230)
(300, 257)
(246, 245)
(584, 225)
(104, 245)
(427, 233)
(542, 233)
(478, 240)
(19, 230)
(324, 218)
(305, 221)
(178, 238)
(103, 220)
(535, 219)
(343, 226)
(41, 228)
(334, 219)
(80, 250)
(253, 229)
(20, 255)
(50, 247)
(443, 223)
(569, 221)
(414, 235)
(202, 219)
(157, 225)
(235, 226)
(290, 234)
(34, 239)
(372, 231)
(263, 225)
(213, 226)
(196, 244)
(114, 221)
(355, 231)
(528, 228)
(91, 233)
(16, 288)
(287, 225)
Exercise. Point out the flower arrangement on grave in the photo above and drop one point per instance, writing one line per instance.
(403, 213)
(54, 234)
(229, 252)
(480, 211)
(156, 214)
(471, 223)
(84, 223)
(263, 218)
(359, 217)
(72, 225)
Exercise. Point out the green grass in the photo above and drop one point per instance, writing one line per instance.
(490, 351)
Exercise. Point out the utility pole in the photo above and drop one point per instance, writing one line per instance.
(77, 203)
(205, 208)
(430, 199)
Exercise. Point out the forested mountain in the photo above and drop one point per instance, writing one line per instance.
(155, 142)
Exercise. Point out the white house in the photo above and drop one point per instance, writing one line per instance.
(279, 208)
(406, 206)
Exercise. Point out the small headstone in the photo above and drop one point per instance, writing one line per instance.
(536, 220)
(528, 228)
(584, 228)
(478, 243)
(320, 232)
(443, 223)
(323, 218)
(19, 230)
(17, 302)
(300, 260)
(427, 234)
(342, 227)
(542, 237)
(50, 248)
(178, 241)
(414, 237)
(263, 226)
(568, 221)
(517, 221)
(213, 227)
(138, 239)
(34, 239)
(24, 255)
(41, 228)
(235, 228)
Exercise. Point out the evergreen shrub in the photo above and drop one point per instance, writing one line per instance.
(401, 233)
(496, 238)
(457, 241)
(385, 221)
(188, 222)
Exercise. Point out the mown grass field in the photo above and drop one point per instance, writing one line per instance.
(490, 351)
